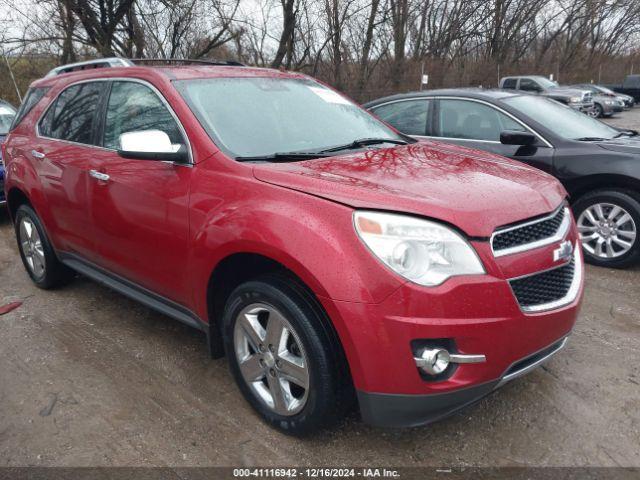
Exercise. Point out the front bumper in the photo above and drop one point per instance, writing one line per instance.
(476, 314)
(581, 106)
(393, 410)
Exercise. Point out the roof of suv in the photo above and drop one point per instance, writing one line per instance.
(173, 72)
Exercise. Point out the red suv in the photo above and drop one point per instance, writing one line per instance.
(330, 257)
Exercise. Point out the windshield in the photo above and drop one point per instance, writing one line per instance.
(254, 117)
(6, 117)
(561, 119)
(604, 90)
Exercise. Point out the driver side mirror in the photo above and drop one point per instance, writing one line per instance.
(151, 145)
(513, 137)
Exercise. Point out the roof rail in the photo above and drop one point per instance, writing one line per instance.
(229, 63)
(90, 64)
(130, 62)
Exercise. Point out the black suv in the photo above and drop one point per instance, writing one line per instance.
(599, 165)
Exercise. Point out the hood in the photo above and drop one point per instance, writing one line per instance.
(473, 190)
(567, 91)
(622, 144)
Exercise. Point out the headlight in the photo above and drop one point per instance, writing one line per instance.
(608, 102)
(424, 252)
(575, 99)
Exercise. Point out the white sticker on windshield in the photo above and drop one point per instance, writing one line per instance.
(329, 96)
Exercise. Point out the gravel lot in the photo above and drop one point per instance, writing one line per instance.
(89, 378)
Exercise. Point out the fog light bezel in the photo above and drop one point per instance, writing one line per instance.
(447, 344)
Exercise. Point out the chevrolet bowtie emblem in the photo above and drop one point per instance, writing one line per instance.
(563, 252)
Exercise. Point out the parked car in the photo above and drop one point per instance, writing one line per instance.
(599, 165)
(7, 113)
(578, 99)
(630, 86)
(604, 105)
(627, 100)
(324, 252)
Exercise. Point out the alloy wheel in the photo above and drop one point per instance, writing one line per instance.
(271, 358)
(31, 245)
(606, 230)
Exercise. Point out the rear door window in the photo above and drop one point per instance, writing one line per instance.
(408, 116)
(72, 117)
(510, 83)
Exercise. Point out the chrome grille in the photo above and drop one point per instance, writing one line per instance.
(530, 234)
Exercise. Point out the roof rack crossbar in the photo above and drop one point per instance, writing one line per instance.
(229, 63)
(90, 64)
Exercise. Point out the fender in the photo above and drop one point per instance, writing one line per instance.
(281, 229)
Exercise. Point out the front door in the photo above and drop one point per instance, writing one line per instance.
(139, 208)
(478, 125)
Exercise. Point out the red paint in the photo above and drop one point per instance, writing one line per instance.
(9, 307)
(166, 227)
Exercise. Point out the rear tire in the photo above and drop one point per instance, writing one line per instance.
(608, 222)
(298, 383)
(36, 252)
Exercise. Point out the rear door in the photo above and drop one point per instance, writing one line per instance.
(62, 151)
(476, 124)
(139, 208)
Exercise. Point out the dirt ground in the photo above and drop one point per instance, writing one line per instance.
(90, 378)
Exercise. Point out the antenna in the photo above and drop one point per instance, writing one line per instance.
(13, 79)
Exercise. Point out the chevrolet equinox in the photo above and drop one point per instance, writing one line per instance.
(331, 258)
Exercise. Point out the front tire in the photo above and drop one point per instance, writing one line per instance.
(608, 222)
(283, 355)
(36, 252)
(597, 111)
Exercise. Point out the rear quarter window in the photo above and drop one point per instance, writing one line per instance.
(34, 95)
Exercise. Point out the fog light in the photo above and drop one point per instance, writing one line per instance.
(433, 361)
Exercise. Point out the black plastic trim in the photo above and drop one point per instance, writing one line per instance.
(394, 410)
(133, 291)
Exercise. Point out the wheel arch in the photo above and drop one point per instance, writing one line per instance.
(240, 266)
(603, 182)
(15, 198)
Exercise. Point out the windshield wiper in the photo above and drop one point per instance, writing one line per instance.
(282, 157)
(363, 142)
(308, 155)
(629, 133)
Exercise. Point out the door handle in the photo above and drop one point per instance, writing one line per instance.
(37, 154)
(103, 177)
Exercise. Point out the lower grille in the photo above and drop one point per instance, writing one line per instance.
(545, 287)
